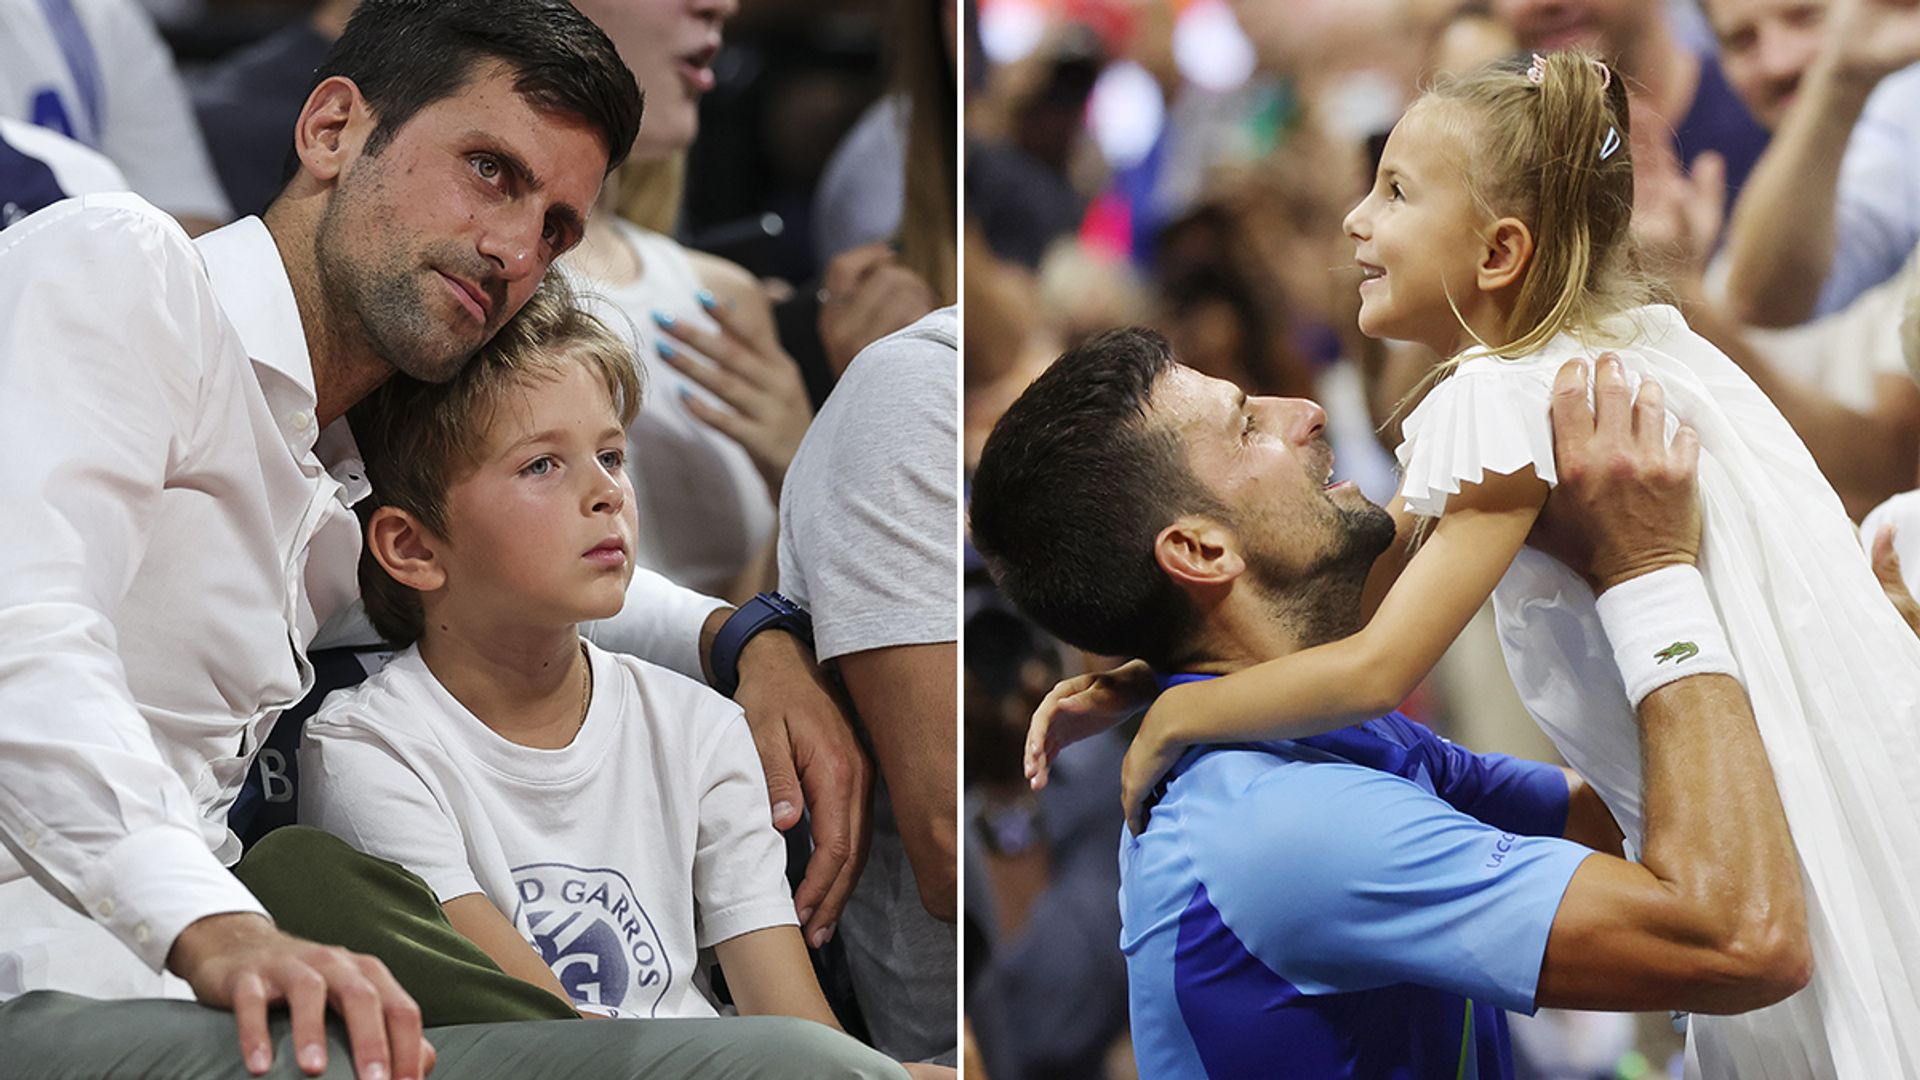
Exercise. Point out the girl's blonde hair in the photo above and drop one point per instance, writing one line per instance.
(1554, 152)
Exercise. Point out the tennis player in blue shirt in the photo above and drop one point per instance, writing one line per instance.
(1370, 902)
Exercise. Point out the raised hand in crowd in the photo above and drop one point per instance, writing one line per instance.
(1886, 567)
(1677, 215)
(868, 295)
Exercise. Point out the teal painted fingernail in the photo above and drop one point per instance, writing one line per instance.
(706, 299)
(685, 394)
(665, 350)
(663, 320)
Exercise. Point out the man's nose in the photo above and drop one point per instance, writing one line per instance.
(1781, 58)
(1302, 420)
(512, 244)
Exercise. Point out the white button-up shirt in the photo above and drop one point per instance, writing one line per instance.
(175, 530)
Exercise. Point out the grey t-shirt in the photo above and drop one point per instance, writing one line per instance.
(869, 543)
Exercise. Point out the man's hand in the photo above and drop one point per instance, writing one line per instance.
(868, 295)
(1868, 40)
(1677, 215)
(1625, 503)
(1080, 708)
(813, 763)
(1886, 567)
(240, 962)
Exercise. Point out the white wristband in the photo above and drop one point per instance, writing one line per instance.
(1662, 627)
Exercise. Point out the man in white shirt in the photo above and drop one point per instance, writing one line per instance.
(175, 530)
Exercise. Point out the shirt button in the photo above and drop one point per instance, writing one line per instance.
(141, 934)
(302, 420)
(106, 908)
(32, 840)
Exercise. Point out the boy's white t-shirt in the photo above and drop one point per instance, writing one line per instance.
(617, 857)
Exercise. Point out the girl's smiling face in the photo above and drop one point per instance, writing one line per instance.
(1419, 237)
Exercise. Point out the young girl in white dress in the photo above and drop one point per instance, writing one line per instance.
(1497, 234)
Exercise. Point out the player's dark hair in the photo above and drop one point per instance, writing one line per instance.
(1074, 484)
(407, 54)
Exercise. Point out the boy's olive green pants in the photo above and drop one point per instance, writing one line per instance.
(482, 1022)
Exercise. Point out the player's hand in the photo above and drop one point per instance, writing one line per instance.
(240, 962)
(1886, 567)
(766, 408)
(1080, 708)
(1624, 504)
(1150, 757)
(813, 763)
(1871, 39)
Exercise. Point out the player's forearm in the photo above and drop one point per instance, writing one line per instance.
(1781, 239)
(1716, 834)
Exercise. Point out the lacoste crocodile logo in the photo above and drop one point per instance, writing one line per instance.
(1679, 652)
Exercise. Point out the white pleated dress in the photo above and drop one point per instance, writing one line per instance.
(1833, 672)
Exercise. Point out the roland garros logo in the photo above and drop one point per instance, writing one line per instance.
(594, 935)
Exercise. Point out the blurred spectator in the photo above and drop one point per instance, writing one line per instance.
(95, 71)
(248, 101)
(1047, 993)
(1674, 88)
(39, 167)
(724, 410)
(1834, 206)
(1839, 380)
(893, 175)
(868, 523)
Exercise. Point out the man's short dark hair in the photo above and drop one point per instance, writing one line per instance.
(1073, 486)
(404, 55)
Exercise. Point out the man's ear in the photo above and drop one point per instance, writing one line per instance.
(406, 549)
(1508, 252)
(1198, 553)
(332, 128)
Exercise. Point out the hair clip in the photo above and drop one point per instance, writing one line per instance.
(1538, 71)
(1610, 144)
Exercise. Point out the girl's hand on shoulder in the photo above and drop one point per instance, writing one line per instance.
(1080, 708)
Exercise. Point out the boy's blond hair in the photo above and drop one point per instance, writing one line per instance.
(418, 439)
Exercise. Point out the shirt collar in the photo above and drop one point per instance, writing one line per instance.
(256, 296)
(251, 284)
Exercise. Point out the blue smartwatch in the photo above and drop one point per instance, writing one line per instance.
(766, 611)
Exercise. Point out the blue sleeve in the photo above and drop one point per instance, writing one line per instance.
(1509, 793)
(1405, 889)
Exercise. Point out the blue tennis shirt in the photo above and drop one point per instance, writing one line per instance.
(1363, 904)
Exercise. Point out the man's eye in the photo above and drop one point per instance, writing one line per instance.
(485, 167)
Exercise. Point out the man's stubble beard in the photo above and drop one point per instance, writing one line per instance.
(380, 300)
(1321, 602)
